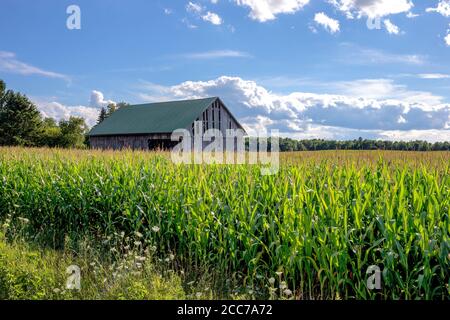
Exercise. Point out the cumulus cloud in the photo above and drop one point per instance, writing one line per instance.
(371, 108)
(372, 8)
(340, 116)
(447, 40)
(428, 135)
(390, 27)
(385, 89)
(194, 7)
(443, 8)
(331, 25)
(213, 18)
(97, 100)
(59, 111)
(199, 11)
(411, 15)
(265, 10)
(9, 63)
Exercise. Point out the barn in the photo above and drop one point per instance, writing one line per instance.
(149, 126)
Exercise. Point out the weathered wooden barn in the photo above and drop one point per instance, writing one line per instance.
(150, 126)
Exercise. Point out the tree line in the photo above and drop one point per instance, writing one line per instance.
(110, 109)
(21, 124)
(287, 144)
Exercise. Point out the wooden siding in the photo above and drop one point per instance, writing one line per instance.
(216, 117)
(135, 142)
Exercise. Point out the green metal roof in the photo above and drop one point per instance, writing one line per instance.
(163, 117)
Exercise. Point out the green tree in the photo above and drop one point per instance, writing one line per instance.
(111, 108)
(2, 93)
(51, 133)
(102, 116)
(2, 88)
(20, 120)
(72, 133)
(122, 104)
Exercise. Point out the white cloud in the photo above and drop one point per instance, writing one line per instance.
(334, 116)
(199, 11)
(412, 15)
(443, 8)
(331, 25)
(59, 111)
(9, 63)
(433, 76)
(427, 135)
(97, 100)
(215, 54)
(390, 27)
(194, 7)
(265, 10)
(372, 8)
(168, 11)
(371, 108)
(384, 89)
(212, 17)
(447, 38)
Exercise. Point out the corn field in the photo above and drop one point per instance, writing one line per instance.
(314, 228)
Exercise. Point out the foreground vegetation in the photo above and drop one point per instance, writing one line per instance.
(37, 273)
(309, 232)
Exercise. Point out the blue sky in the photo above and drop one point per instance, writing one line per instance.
(309, 68)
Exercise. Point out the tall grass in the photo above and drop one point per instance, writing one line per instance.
(309, 232)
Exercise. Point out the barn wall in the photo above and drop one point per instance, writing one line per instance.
(136, 142)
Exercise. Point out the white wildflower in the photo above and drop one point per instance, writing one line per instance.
(287, 292)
